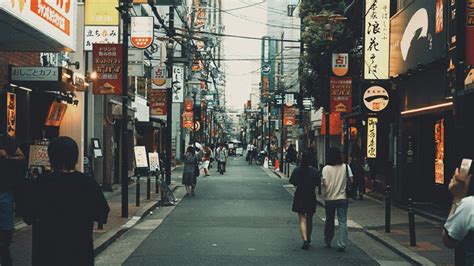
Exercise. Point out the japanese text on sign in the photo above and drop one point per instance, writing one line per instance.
(372, 137)
(376, 34)
(100, 34)
(35, 74)
(107, 62)
(341, 95)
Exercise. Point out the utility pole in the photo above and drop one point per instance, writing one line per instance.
(169, 94)
(125, 149)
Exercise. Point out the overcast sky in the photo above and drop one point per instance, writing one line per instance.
(239, 22)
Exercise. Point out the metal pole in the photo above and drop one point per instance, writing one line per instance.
(148, 186)
(157, 187)
(125, 148)
(388, 205)
(169, 96)
(411, 223)
(137, 191)
(282, 141)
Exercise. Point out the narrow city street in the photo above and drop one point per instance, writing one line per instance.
(240, 218)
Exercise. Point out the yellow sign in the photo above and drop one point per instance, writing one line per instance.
(372, 137)
(101, 12)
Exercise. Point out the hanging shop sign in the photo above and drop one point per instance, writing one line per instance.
(35, 73)
(107, 62)
(158, 104)
(439, 152)
(188, 105)
(136, 68)
(101, 12)
(159, 77)
(340, 95)
(55, 114)
(54, 19)
(372, 137)
(188, 119)
(289, 116)
(100, 34)
(340, 64)
(376, 98)
(141, 33)
(178, 84)
(196, 127)
(414, 37)
(48, 78)
(376, 39)
(469, 33)
(11, 114)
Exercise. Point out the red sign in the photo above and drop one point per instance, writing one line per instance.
(107, 62)
(158, 104)
(188, 118)
(341, 95)
(335, 124)
(141, 35)
(289, 116)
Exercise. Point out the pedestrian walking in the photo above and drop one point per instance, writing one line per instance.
(357, 167)
(62, 206)
(250, 153)
(305, 178)
(221, 157)
(206, 159)
(336, 176)
(11, 160)
(291, 154)
(190, 171)
(458, 231)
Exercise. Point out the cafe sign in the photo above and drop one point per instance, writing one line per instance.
(35, 73)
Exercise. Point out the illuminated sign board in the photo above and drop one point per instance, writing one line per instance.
(372, 137)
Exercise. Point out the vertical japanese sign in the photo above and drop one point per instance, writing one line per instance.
(107, 62)
(141, 35)
(376, 39)
(158, 103)
(289, 116)
(101, 20)
(439, 148)
(178, 84)
(188, 119)
(469, 32)
(372, 137)
(340, 95)
(340, 64)
(11, 114)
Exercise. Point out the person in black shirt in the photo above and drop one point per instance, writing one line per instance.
(63, 207)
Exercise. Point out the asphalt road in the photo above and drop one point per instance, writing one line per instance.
(240, 218)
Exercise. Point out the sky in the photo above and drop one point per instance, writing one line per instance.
(239, 76)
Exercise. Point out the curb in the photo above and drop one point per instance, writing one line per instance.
(106, 240)
(399, 249)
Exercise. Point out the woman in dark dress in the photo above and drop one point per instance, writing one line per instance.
(62, 206)
(305, 178)
(190, 161)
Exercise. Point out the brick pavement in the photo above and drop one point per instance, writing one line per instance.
(115, 227)
(369, 215)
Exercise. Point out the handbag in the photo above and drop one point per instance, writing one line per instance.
(348, 184)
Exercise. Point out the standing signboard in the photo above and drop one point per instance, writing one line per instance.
(141, 34)
(141, 160)
(107, 62)
(341, 95)
(376, 39)
(154, 160)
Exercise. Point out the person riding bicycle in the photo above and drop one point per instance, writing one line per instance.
(250, 152)
(221, 157)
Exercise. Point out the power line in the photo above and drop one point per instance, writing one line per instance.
(259, 22)
(244, 37)
(242, 7)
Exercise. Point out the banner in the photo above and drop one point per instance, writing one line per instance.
(107, 62)
(158, 104)
(289, 116)
(187, 119)
(377, 39)
(11, 114)
(372, 137)
(141, 33)
(340, 95)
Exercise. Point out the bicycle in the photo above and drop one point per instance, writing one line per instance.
(165, 189)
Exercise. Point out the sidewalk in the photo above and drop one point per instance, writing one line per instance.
(116, 225)
(369, 215)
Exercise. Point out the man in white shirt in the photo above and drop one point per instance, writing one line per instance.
(335, 177)
(458, 230)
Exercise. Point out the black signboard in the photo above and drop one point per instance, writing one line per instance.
(417, 35)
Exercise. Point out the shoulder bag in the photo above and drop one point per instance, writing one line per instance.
(348, 184)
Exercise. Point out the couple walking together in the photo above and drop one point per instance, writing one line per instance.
(335, 176)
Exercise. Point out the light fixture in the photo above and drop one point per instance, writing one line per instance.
(432, 107)
(24, 88)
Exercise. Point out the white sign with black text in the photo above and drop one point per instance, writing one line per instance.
(178, 84)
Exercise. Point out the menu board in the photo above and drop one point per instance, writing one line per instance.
(39, 156)
(154, 160)
(141, 160)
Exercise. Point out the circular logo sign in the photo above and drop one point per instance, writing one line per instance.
(266, 69)
(376, 98)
